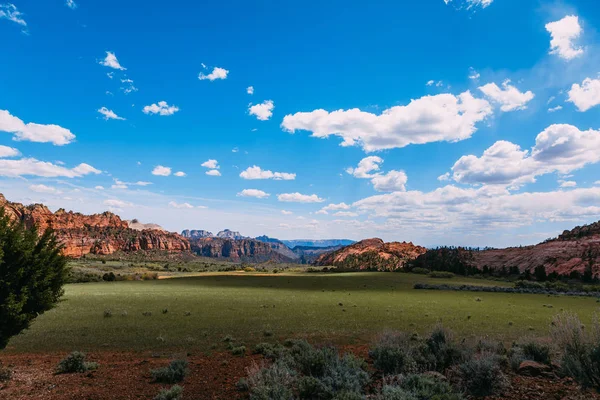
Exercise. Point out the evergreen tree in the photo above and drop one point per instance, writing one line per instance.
(32, 273)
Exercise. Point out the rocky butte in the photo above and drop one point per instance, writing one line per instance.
(99, 234)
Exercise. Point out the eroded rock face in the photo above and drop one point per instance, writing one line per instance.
(196, 234)
(372, 254)
(250, 250)
(101, 234)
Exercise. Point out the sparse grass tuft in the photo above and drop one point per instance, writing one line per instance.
(174, 393)
(74, 363)
(174, 373)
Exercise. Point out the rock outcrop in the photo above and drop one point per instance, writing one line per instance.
(228, 234)
(100, 234)
(247, 250)
(196, 234)
(372, 254)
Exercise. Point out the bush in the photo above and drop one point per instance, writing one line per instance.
(581, 350)
(32, 273)
(482, 375)
(75, 362)
(418, 387)
(391, 354)
(272, 383)
(174, 373)
(421, 271)
(174, 393)
(249, 269)
(109, 277)
(107, 313)
(5, 374)
(238, 351)
(149, 276)
(536, 351)
(441, 274)
(270, 351)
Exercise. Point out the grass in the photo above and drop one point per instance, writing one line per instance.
(245, 305)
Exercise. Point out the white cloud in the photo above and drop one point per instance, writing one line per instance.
(469, 4)
(6, 151)
(345, 214)
(443, 117)
(333, 207)
(235, 150)
(213, 172)
(117, 203)
(217, 73)
(554, 109)
(430, 83)
(33, 167)
(285, 212)
(509, 97)
(162, 108)
(44, 189)
(444, 177)
(262, 111)
(259, 194)
(390, 182)
(179, 174)
(110, 76)
(586, 95)
(250, 90)
(34, 132)
(299, 198)
(129, 87)
(473, 74)
(111, 61)
(255, 172)
(559, 148)
(159, 170)
(71, 4)
(567, 184)
(173, 204)
(11, 13)
(212, 164)
(142, 183)
(564, 33)
(109, 114)
(99, 187)
(365, 167)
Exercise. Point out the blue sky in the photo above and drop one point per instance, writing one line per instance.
(471, 122)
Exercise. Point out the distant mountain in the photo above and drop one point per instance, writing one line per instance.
(195, 234)
(138, 226)
(266, 239)
(229, 234)
(317, 243)
(244, 250)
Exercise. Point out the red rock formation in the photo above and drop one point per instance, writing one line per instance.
(250, 250)
(102, 233)
(372, 254)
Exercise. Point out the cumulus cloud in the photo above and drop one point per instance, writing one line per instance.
(285, 212)
(128, 86)
(162, 108)
(333, 207)
(390, 182)
(34, 132)
(262, 111)
(259, 194)
(6, 151)
(586, 95)
(111, 61)
(255, 172)
(345, 214)
(469, 4)
(564, 33)
(217, 73)
(180, 174)
(555, 109)
(109, 114)
(99, 187)
(173, 204)
(509, 97)
(299, 198)
(250, 90)
(33, 167)
(365, 167)
(212, 164)
(213, 172)
(473, 74)
(10, 12)
(443, 117)
(159, 170)
(559, 148)
(44, 189)
(117, 203)
(567, 184)
(71, 4)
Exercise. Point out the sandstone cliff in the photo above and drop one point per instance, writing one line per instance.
(372, 254)
(102, 233)
(249, 250)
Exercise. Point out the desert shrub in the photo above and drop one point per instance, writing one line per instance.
(270, 351)
(418, 387)
(310, 360)
(242, 385)
(5, 373)
(536, 351)
(75, 362)
(228, 339)
(391, 353)
(272, 383)
(441, 349)
(165, 310)
(149, 276)
(174, 373)
(515, 357)
(174, 393)
(238, 350)
(441, 274)
(147, 313)
(109, 277)
(249, 269)
(490, 346)
(482, 375)
(107, 313)
(421, 271)
(32, 273)
(580, 349)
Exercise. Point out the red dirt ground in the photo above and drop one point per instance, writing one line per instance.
(127, 376)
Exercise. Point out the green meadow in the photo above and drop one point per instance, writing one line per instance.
(196, 312)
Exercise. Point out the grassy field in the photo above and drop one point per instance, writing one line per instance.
(339, 308)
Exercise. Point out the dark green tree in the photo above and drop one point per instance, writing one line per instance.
(32, 274)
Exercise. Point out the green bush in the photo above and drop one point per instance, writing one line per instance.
(5, 374)
(421, 271)
(418, 387)
(109, 277)
(270, 351)
(74, 363)
(441, 274)
(32, 274)
(535, 351)
(174, 393)
(174, 373)
(238, 351)
(482, 375)
(273, 383)
(580, 349)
